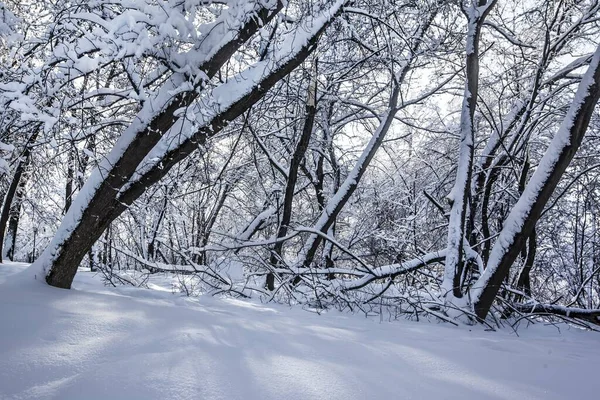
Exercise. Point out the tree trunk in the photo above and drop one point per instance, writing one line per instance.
(300, 151)
(523, 217)
(70, 179)
(12, 191)
(97, 203)
(107, 198)
(10, 241)
(461, 192)
(347, 188)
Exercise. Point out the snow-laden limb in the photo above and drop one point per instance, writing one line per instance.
(525, 213)
(229, 27)
(129, 33)
(508, 35)
(517, 118)
(201, 116)
(255, 224)
(156, 117)
(227, 102)
(592, 316)
(347, 188)
(572, 66)
(393, 270)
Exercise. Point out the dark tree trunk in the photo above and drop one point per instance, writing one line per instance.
(13, 221)
(298, 156)
(12, 191)
(576, 123)
(524, 280)
(151, 249)
(212, 219)
(107, 204)
(104, 206)
(70, 179)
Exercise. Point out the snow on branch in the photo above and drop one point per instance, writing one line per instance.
(393, 270)
(207, 115)
(592, 316)
(526, 211)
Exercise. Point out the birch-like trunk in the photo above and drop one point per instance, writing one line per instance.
(461, 192)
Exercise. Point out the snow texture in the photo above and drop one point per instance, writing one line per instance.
(126, 343)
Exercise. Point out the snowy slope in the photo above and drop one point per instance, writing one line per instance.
(100, 343)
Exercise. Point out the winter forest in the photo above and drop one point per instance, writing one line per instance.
(430, 165)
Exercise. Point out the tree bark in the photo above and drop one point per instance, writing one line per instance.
(70, 179)
(299, 152)
(107, 202)
(10, 241)
(461, 192)
(12, 191)
(347, 188)
(523, 217)
(100, 206)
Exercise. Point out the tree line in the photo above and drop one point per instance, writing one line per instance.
(433, 158)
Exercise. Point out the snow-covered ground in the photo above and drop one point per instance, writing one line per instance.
(101, 343)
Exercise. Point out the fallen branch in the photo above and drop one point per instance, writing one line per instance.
(591, 316)
(393, 270)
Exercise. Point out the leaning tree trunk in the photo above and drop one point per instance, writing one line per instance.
(521, 221)
(133, 166)
(96, 203)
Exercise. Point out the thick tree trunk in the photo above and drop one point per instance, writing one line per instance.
(97, 203)
(107, 199)
(523, 217)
